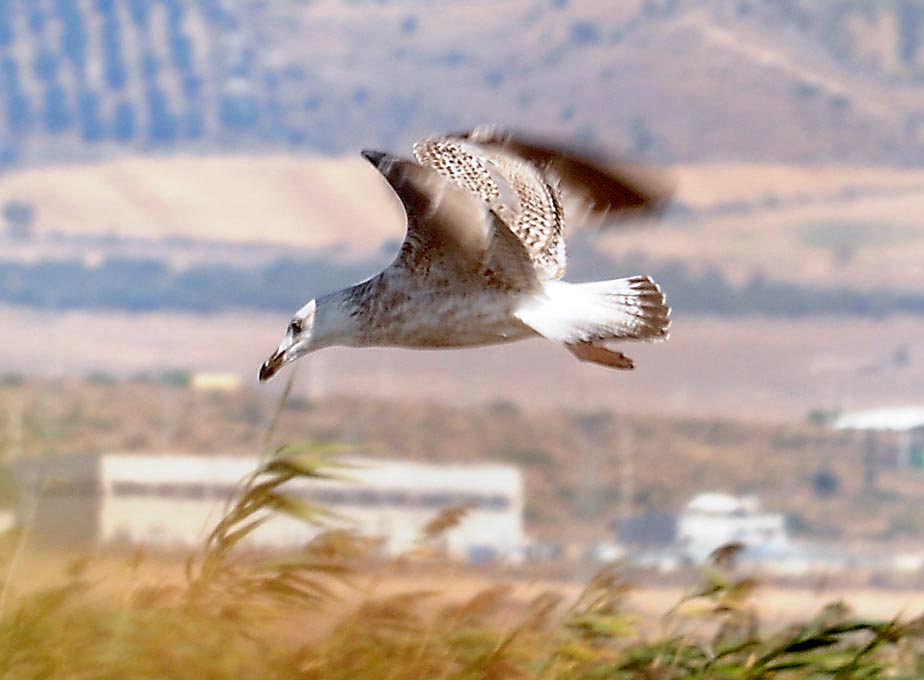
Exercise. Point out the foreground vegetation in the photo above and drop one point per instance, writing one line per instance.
(259, 630)
(308, 615)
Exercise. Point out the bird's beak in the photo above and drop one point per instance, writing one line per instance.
(272, 365)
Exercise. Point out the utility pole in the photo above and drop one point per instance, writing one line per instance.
(168, 397)
(50, 418)
(590, 502)
(626, 471)
(15, 408)
(871, 461)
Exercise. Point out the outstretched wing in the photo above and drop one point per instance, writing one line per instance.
(528, 182)
(602, 188)
(453, 238)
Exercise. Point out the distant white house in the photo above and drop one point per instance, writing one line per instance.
(898, 419)
(7, 521)
(711, 520)
(216, 382)
(173, 501)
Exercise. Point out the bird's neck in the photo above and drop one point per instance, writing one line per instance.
(339, 317)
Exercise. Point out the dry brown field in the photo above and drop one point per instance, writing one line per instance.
(830, 225)
(121, 576)
(751, 369)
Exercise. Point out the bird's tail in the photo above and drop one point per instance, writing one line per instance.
(586, 316)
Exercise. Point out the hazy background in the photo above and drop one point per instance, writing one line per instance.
(178, 177)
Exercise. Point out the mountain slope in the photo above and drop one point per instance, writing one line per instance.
(670, 79)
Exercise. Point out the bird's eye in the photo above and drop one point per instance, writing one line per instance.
(295, 327)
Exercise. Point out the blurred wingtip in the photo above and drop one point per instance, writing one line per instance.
(609, 189)
(373, 156)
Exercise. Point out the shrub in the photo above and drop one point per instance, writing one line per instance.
(531, 457)
(826, 483)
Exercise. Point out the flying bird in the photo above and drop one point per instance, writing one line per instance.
(484, 254)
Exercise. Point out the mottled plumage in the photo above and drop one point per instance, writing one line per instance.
(483, 255)
(526, 199)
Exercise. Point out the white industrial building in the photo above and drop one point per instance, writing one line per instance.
(173, 501)
(904, 423)
(711, 520)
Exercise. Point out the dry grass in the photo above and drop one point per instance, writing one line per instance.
(237, 615)
(331, 610)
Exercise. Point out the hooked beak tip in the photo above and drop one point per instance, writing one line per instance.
(271, 366)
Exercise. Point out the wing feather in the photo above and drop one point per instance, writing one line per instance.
(452, 235)
(607, 190)
(513, 188)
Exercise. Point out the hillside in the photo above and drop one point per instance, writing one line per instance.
(835, 226)
(680, 80)
(290, 201)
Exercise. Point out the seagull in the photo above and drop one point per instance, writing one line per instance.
(484, 254)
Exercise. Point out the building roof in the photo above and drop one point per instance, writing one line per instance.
(721, 504)
(348, 471)
(898, 419)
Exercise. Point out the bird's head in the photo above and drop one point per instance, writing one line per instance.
(300, 339)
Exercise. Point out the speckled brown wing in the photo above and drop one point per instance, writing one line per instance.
(514, 189)
(594, 188)
(453, 237)
(533, 185)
